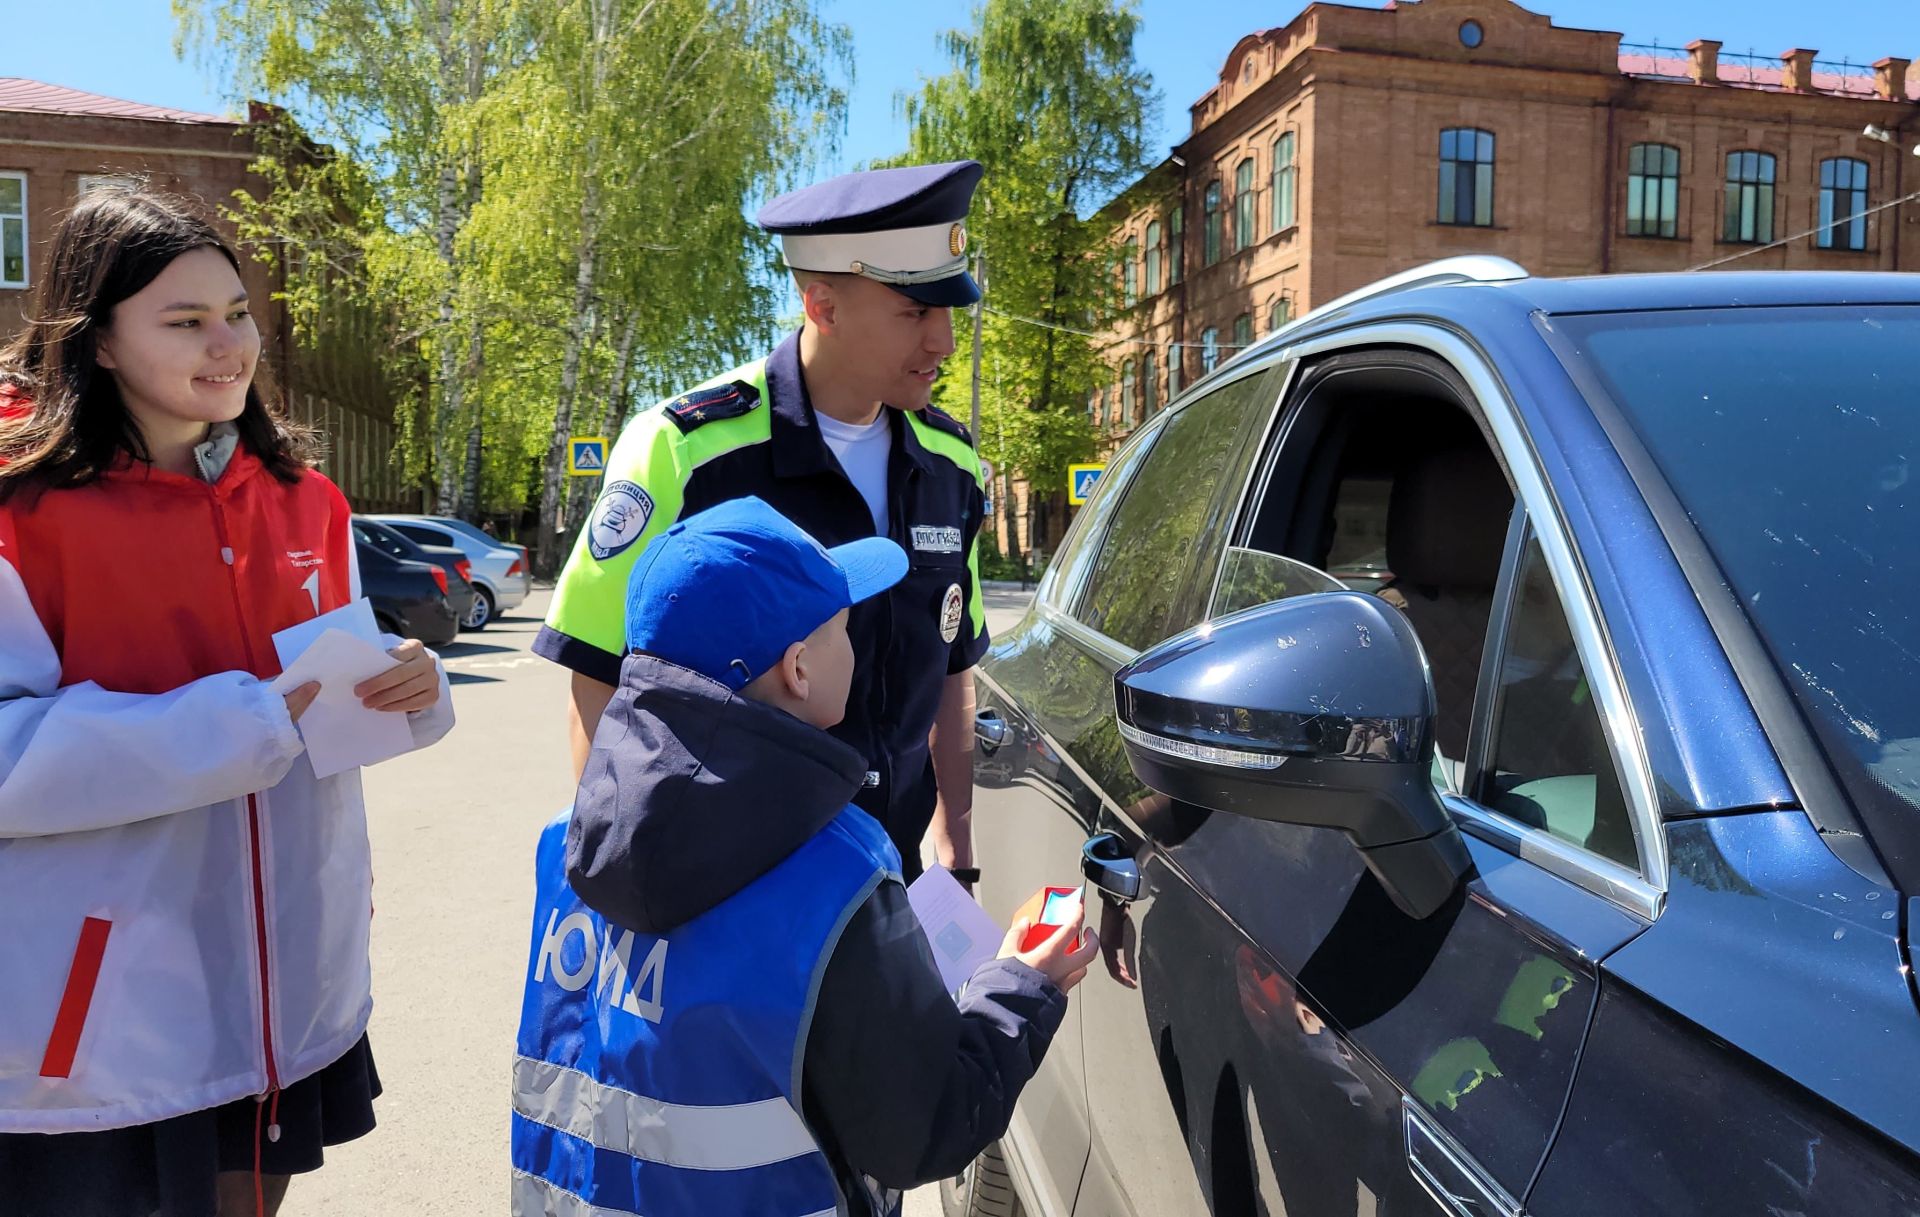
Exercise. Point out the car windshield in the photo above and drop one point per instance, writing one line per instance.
(1792, 438)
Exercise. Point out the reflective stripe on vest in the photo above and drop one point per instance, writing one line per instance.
(660, 1075)
(731, 1138)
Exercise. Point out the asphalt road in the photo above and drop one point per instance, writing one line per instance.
(453, 831)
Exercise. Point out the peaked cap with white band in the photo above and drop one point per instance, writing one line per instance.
(904, 227)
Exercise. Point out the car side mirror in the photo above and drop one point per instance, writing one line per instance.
(1317, 711)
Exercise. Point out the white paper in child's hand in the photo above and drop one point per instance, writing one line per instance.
(961, 934)
(340, 732)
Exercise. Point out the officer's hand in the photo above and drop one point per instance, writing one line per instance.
(1062, 958)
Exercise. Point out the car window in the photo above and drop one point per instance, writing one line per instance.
(1252, 577)
(1174, 515)
(1550, 766)
(426, 536)
(382, 540)
(1083, 538)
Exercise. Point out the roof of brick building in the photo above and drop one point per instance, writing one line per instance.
(33, 96)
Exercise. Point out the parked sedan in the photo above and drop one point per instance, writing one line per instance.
(452, 563)
(409, 598)
(501, 574)
(1566, 866)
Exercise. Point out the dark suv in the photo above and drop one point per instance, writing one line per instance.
(1561, 866)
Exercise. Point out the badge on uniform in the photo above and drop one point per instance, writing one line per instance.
(619, 518)
(950, 610)
(931, 539)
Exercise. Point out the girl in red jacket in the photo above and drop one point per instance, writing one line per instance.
(186, 904)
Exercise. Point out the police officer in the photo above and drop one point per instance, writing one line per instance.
(834, 430)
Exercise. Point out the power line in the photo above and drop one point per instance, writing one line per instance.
(1811, 232)
(1065, 329)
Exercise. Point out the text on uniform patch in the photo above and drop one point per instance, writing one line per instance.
(929, 539)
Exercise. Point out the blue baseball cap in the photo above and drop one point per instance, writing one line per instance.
(726, 592)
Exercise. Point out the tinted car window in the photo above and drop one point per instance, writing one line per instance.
(1792, 439)
(1175, 514)
(1083, 539)
(1551, 767)
(382, 540)
(426, 536)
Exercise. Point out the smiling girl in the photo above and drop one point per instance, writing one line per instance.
(186, 904)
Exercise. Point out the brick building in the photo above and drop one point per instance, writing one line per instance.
(1352, 143)
(56, 143)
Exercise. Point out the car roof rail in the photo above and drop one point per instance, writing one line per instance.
(1467, 268)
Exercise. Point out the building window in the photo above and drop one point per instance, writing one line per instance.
(1147, 386)
(1286, 183)
(1176, 361)
(1653, 191)
(1466, 177)
(1214, 220)
(1279, 313)
(1176, 244)
(1209, 349)
(1130, 271)
(1243, 331)
(1471, 35)
(13, 230)
(1127, 416)
(1843, 203)
(1153, 258)
(1094, 405)
(1243, 204)
(1750, 178)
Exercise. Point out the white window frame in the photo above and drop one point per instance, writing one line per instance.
(26, 236)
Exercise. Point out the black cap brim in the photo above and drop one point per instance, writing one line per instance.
(957, 291)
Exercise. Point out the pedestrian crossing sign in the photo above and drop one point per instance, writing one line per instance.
(587, 455)
(1081, 480)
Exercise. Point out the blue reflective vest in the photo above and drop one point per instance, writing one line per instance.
(661, 1075)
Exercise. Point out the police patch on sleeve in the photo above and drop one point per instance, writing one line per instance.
(619, 518)
(950, 610)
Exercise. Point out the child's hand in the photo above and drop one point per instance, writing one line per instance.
(412, 684)
(1062, 958)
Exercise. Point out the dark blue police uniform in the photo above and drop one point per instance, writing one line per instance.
(753, 431)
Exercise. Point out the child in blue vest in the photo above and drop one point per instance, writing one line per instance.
(730, 1006)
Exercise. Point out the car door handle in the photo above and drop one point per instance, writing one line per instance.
(990, 730)
(1107, 862)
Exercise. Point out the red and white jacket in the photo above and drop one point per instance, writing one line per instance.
(186, 907)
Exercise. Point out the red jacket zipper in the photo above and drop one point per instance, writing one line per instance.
(253, 808)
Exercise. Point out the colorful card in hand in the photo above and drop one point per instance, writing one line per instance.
(1050, 908)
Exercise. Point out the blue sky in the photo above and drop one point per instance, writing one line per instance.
(123, 48)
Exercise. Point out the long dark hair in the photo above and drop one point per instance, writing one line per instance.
(62, 422)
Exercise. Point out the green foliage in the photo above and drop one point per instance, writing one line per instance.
(1047, 95)
(543, 200)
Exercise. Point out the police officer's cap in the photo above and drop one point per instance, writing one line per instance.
(904, 227)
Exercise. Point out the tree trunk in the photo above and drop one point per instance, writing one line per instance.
(469, 506)
(552, 497)
(446, 228)
(1011, 521)
(619, 395)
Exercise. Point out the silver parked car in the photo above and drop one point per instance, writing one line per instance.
(502, 573)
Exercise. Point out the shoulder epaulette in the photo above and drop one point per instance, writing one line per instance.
(940, 420)
(702, 406)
